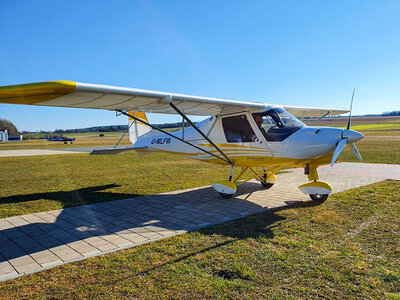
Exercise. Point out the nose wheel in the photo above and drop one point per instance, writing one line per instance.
(226, 196)
(318, 197)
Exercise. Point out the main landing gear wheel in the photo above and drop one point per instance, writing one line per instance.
(318, 197)
(267, 185)
(225, 196)
(264, 183)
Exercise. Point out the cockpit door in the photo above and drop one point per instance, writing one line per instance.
(242, 134)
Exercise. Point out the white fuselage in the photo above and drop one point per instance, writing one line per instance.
(305, 144)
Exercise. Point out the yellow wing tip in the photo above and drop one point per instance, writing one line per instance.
(33, 93)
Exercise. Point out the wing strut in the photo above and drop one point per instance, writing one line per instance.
(169, 100)
(320, 118)
(227, 160)
(126, 131)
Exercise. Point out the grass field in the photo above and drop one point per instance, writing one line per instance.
(375, 150)
(366, 125)
(82, 140)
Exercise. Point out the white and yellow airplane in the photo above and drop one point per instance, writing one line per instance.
(239, 134)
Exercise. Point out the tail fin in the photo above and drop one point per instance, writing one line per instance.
(47, 137)
(138, 128)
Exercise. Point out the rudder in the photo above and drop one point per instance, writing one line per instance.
(137, 129)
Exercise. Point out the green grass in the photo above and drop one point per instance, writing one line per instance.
(377, 126)
(366, 125)
(348, 247)
(372, 126)
(387, 132)
(375, 150)
(82, 140)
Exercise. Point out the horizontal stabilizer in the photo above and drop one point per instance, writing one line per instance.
(111, 151)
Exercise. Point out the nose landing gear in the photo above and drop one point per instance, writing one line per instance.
(317, 190)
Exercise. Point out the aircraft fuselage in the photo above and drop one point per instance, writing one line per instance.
(305, 145)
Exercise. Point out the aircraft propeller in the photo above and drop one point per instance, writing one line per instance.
(348, 135)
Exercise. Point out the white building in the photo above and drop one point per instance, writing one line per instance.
(3, 136)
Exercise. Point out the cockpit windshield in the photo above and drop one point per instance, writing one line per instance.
(280, 118)
(277, 124)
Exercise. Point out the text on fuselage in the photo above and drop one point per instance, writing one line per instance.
(161, 141)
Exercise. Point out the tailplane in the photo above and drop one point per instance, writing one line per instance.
(137, 129)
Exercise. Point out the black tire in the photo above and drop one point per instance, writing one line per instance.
(318, 198)
(267, 185)
(225, 196)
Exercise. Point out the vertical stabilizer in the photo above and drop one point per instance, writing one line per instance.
(137, 129)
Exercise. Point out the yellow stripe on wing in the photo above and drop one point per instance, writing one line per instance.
(32, 93)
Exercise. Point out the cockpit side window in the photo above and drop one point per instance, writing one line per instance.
(237, 129)
(277, 124)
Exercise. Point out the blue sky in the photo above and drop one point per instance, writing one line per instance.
(309, 53)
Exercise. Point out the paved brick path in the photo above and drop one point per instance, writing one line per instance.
(31, 243)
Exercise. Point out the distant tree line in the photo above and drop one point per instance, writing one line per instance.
(9, 126)
(391, 113)
(108, 128)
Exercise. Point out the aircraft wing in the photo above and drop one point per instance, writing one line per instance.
(95, 96)
(302, 111)
(83, 95)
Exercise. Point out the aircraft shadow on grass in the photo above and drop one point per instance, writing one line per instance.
(76, 197)
(172, 212)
